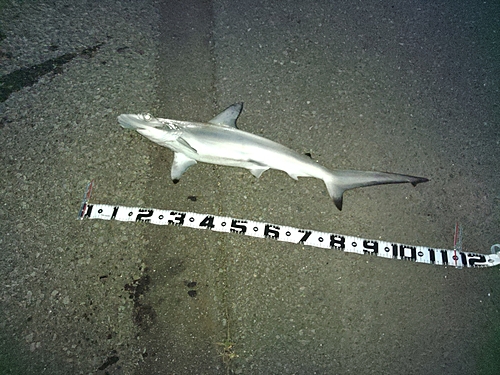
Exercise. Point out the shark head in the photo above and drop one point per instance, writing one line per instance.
(158, 131)
(139, 121)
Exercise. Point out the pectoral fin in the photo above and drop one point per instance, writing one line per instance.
(180, 165)
(183, 142)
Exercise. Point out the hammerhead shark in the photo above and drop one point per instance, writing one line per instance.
(220, 142)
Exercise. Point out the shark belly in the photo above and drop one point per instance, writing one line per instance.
(236, 148)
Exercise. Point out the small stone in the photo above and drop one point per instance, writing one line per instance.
(29, 295)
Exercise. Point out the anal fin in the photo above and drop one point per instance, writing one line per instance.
(257, 171)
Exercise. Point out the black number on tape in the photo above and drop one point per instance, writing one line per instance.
(178, 219)
(307, 234)
(208, 222)
(337, 242)
(370, 247)
(408, 252)
(474, 260)
(144, 215)
(238, 226)
(272, 231)
(115, 212)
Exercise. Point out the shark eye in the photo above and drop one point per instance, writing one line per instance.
(147, 117)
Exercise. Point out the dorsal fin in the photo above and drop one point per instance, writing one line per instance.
(228, 116)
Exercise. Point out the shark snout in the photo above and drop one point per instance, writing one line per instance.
(129, 121)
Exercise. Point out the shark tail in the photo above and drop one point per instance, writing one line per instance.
(339, 181)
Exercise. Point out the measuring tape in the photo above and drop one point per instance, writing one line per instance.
(421, 254)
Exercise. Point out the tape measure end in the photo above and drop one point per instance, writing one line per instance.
(86, 198)
(495, 249)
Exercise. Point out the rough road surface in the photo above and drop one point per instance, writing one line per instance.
(406, 87)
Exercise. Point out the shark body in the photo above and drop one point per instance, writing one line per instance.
(220, 142)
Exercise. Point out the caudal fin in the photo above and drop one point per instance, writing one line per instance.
(340, 181)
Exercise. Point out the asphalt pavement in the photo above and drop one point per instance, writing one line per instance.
(407, 88)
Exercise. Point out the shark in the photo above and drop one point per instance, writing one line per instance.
(220, 142)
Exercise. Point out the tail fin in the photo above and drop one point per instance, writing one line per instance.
(342, 180)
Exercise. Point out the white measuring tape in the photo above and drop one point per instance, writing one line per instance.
(384, 249)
